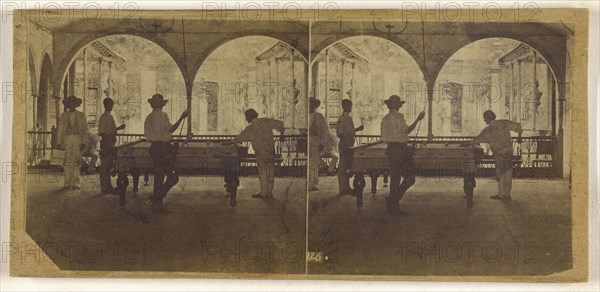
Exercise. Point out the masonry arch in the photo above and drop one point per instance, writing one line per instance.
(265, 73)
(495, 73)
(367, 69)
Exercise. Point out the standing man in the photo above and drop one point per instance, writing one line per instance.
(107, 129)
(497, 134)
(317, 133)
(394, 132)
(72, 135)
(346, 132)
(158, 131)
(260, 133)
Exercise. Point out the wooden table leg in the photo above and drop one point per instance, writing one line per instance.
(469, 186)
(135, 175)
(232, 182)
(374, 175)
(146, 178)
(122, 183)
(385, 179)
(359, 186)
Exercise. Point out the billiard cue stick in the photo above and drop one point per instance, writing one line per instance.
(419, 125)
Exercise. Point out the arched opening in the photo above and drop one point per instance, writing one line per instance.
(499, 74)
(129, 69)
(367, 70)
(263, 73)
(46, 115)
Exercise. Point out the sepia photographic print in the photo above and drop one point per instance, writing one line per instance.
(403, 144)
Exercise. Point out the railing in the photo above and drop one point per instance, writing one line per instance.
(538, 154)
(39, 148)
(292, 149)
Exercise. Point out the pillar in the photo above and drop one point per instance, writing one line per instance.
(518, 103)
(99, 92)
(292, 90)
(188, 95)
(535, 89)
(553, 101)
(110, 83)
(343, 87)
(270, 94)
(326, 96)
(71, 77)
(511, 106)
(430, 112)
(277, 95)
(353, 84)
(85, 77)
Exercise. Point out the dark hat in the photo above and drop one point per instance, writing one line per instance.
(72, 101)
(314, 101)
(394, 101)
(157, 100)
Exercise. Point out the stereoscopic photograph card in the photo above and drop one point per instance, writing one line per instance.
(409, 144)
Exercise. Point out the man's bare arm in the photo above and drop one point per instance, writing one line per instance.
(176, 125)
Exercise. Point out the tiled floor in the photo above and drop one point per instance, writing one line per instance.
(437, 235)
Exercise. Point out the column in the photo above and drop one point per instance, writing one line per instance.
(85, 77)
(535, 101)
(511, 105)
(553, 100)
(110, 83)
(99, 92)
(315, 81)
(71, 77)
(518, 103)
(293, 90)
(270, 89)
(326, 96)
(343, 87)
(278, 87)
(430, 112)
(353, 84)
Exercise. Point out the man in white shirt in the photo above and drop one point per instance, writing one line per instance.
(158, 131)
(394, 132)
(317, 133)
(346, 132)
(259, 132)
(72, 136)
(497, 134)
(107, 129)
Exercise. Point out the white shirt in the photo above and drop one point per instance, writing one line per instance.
(394, 128)
(345, 131)
(260, 134)
(318, 129)
(157, 126)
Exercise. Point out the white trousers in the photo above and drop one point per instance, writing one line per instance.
(266, 176)
(72, 160)
(504, 182)
(314, 163)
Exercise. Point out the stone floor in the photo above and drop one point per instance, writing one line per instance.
(200, 232)
(531, 235)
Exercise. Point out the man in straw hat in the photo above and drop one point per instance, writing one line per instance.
(317, 133)
(346, 132)
(158, 131)
(394, 132)
(72, 135)
(259, 132)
